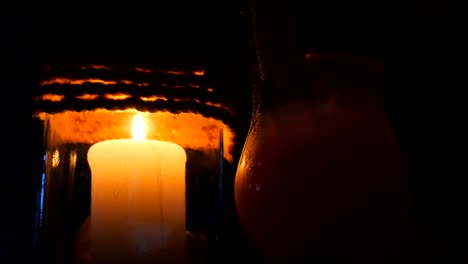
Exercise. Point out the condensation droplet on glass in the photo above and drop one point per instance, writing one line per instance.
(250, 186)
(257, 187)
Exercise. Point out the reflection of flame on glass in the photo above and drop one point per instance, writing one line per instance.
(73, 160)
(242, 164)
(76, 81)
(153, 98)
(199, 73)
(138, 128)
(142, 69)
(174, 72)
(87, 96)
(96, 67)
(51, 97)
(119, 96)
(55, 158)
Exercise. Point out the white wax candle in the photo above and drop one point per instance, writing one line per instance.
(137, 200)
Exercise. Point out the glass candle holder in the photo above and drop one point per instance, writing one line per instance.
(133, 163)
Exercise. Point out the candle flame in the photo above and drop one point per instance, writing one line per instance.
(138, 128)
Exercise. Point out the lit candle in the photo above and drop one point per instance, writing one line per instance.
(137, 199)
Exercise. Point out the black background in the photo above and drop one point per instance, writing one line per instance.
(424, 90)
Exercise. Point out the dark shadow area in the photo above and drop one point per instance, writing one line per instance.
(423, 94)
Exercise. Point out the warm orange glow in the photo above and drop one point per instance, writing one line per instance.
(143, 70)
(153, 98)
(186, 100)
(199, 73)
(220, 106)
(87, 96)
(194, 86)
(52, 97)
(119, 96)
(76, 82)
(96, 67)
(142, 84)
(209, 90)
(100, 67)
(73, 159)
(138, 128)
(55, 158)
(308, 56)
(174, 72)
(189, 130)
(126, 81)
